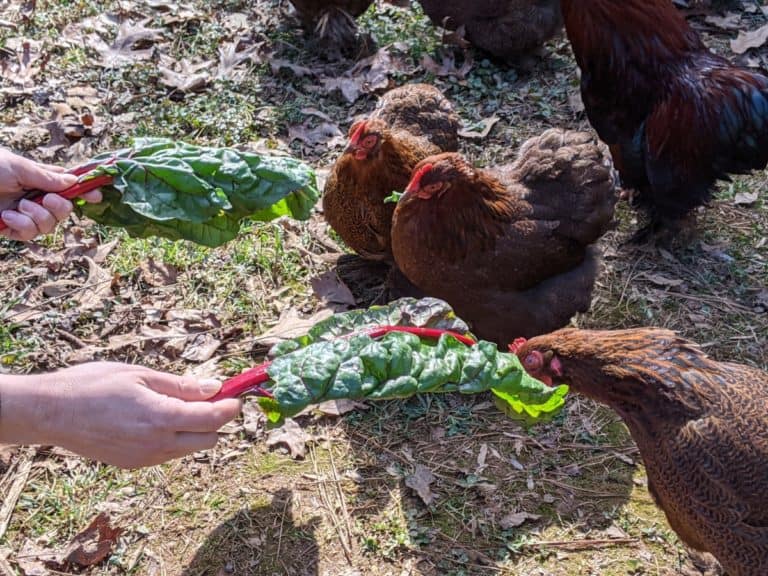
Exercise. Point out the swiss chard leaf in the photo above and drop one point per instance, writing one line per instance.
(337, 359)
(180, 191)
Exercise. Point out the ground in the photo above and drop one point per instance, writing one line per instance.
(564, 498)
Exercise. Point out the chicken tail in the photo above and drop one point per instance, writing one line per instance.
(570, 179)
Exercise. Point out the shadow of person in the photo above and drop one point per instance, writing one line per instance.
(495, 491)
(263, 540)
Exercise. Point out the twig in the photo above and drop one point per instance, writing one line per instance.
(579, 489)
(71, 338)
(282, 522)
(581, 544)
(23, 469)
(340, 496)
(323, 489)
(5, 567)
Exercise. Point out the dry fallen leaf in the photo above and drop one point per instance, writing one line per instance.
(185, 76)
(98, 287)
(291, 325)
(516, 519)
(325, 133)
(420, 482)
(745, 198)
(749, 39)
(93, 544)
(254, 419)
(481, 129)
(662, 280)
(292, 436)
(730, 21)
(340, 407)
(157, 273)
(332, 291)
(129, 46)
(232, 55)
(447, 65)
(201, 348)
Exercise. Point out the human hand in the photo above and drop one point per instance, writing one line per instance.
(131, 416)
(28, 219)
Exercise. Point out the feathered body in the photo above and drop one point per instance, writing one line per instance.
(676, 116)
(510, 249)
(333, 22)
(506, 29)
(409, 124)
(701, 427)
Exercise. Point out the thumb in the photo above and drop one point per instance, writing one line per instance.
(183, 387)
(34, 176)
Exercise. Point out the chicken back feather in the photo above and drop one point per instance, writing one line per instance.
(510, 30)
(676, 116)
(510, 249)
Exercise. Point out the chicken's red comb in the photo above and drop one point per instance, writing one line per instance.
(358, 133)
(517, 344)
(415, 183)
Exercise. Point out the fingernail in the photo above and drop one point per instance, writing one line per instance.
(25, 204)
(209, 386)
(9, 217)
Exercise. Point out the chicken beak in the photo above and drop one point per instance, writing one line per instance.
(356, 151)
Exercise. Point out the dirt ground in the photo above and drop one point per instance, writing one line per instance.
(333, 494)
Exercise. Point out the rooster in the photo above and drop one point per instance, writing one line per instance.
(676, 116)
(510, 30)
(510, 249)
(701, 427)
(333, 23)
(409, 124)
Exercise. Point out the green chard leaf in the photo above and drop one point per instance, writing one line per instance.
(336, 359)
(180, 191)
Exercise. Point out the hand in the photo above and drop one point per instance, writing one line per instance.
(124, 415)
(17, 175)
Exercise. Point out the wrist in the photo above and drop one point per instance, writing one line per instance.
(30, 409)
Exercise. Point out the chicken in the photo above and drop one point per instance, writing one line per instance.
(701, 427)
(409, 124)
(333, 23)
(510, 30)
(510, 249)
(676, 116)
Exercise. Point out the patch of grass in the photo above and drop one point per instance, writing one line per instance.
(245, 510)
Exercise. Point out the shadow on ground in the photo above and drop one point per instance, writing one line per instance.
(260, 541)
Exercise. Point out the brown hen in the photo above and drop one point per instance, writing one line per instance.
(333, 22)
(409, 124)
(701, 427)
(510, 249)
(511, 30)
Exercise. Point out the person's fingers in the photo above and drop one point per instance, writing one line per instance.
(50, 167)
(92, 197)
(200, 416)
(187, 442)
(31, 175)
(182, 387)
(20, 226)
(43, 219)
(58, 206)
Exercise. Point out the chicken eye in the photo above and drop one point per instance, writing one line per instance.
(369, 141)
(534, 361)
(433, 188)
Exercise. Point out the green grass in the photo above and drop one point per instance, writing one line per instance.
(251, 511)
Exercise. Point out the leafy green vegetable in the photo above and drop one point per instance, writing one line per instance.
(338, 360)
(394, 197)
(424, 313)
(180, 191)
